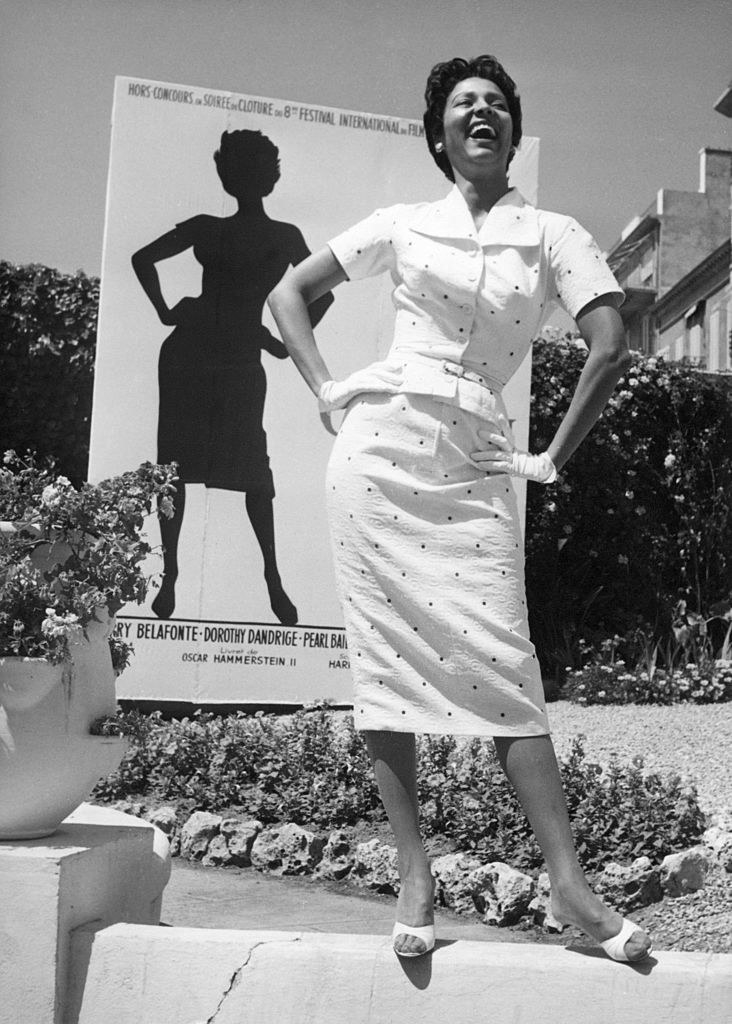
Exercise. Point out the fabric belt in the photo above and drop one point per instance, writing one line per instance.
(450, 368)
(458, 370)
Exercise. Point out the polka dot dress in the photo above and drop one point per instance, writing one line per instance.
(430, 570)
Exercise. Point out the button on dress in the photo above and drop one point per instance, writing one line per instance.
(428, 549)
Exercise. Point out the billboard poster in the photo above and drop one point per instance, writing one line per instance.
(211, 195)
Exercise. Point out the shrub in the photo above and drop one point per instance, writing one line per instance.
(615, 684)
(312, 768)
(691, 673)
(642, 513)
(65, 552)
(48, 323)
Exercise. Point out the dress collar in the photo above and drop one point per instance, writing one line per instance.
(510, 221)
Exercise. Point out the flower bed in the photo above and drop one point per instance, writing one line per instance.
(614, 684)
(311, 768)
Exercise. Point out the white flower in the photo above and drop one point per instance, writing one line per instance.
(670, 461)
(629, 495)
(640, 511)
(51, 495)
(622, 559)
(55, 625)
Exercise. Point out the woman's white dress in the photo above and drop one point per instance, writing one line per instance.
(428, 549)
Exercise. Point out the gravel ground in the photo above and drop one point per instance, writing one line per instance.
(691, 740)
(694, 741)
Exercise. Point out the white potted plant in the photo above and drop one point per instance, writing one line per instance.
(69, 559)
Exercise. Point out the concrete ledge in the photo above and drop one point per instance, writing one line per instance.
(98, 868)
(145, 975)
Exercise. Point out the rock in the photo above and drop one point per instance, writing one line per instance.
(286, 850)
(375, 867)
(240, 836)
(197, 833)
(217, 854)
(719, 842)
(541, 906)
(500, 893)
(684, 872)
(722, 818)
(338, 859)
(628, 887)
(452, 889)
(164, 818)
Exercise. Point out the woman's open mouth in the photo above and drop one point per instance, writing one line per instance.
(483, 132)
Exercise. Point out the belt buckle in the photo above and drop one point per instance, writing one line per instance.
(454, 369)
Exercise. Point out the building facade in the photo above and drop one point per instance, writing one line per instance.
(674, 263)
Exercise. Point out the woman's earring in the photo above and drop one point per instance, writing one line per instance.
(438, 147)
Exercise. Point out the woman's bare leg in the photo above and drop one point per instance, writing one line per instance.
(531, 766)
(393, 755)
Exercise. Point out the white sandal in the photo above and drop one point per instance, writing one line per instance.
(615, 945)
(426, 933)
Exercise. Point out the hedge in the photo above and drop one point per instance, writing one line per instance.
(48, 323)
(641, 516)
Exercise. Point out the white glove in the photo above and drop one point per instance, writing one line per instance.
(504, 458)
(336, 394)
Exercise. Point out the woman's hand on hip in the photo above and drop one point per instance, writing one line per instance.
(504, 458)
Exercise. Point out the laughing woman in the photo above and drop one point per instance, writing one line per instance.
(423, 518)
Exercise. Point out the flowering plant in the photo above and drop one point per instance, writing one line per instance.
(640, 517)
(606, 678)
(65, 552)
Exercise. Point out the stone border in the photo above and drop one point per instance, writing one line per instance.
(498, 893)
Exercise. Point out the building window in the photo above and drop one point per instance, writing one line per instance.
(694, 333)
(647, 268)
(715, 356)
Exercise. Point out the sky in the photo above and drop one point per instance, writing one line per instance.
(620, 93)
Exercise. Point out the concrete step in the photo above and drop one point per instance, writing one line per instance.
(147, 975)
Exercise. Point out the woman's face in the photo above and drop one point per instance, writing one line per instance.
(477, 128)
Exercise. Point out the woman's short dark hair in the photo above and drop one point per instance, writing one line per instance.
(442, 80)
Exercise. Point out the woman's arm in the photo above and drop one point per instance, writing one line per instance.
(602, 329)
(299, 253)
(301, 285)
(143, 263)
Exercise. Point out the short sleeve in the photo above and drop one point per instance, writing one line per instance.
(367, 248)
(579, 271)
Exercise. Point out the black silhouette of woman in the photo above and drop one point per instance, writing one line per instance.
(212, 382)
